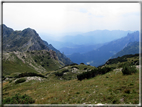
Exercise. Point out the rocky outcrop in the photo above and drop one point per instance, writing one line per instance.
(29, 40)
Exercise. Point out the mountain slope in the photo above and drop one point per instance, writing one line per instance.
(31, 61)
(27, 40)
(102, 54)
(60, 56)
(95, 37)
(62, 87)
(79, 48)
(24, 40)
(132, 48)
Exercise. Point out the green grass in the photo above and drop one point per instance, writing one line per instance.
(110, 88)
(13, 65)
(16, 66)
(18, 99)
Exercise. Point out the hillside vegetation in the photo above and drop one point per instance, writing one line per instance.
(62, 86)
(30, 61)
(131, 48)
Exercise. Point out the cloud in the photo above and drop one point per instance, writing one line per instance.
(58, 18)
(83, 10)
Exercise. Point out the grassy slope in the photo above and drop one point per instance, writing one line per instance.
(25, 62)
(15, 66)
(111, 88)
(71, 72)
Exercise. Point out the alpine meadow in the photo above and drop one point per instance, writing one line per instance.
(71, 54)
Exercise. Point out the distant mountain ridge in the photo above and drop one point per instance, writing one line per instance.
(79, 49)
(27, 40)
(85, 39)
(131, 48)
(101, 55)
(96, 37)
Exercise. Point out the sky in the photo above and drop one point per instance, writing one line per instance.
(59, 18)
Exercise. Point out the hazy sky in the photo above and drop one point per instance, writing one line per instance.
(54, 18)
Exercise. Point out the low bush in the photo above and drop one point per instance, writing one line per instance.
(25, 74)
(128, 70)
(20, 80)
(93, 73)
(18, 99)
(3, 78)
(61, 73)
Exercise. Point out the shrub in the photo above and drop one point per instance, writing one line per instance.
(73, 64)
(58, 73)
(128, 70)
(61, 73)
(3, 78)
(10, 81)
(77, 92)
(25, 74)
(82, 63)
(20, 80)
(93, 73)
(18, 99)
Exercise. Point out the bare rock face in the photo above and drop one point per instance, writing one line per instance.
(29, 40)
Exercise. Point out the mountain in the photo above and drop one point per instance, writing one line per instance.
(120, 61)
(27, 40)
(41, 61)
(101, 55)
(61, 56)
(95, 37)
(131, 48)
(85, 39)
(79, 49)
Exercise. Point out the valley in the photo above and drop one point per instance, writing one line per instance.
(35, 70)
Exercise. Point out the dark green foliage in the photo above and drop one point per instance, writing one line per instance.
(18, 99)
(20, 80)
(77, 92)
(61, 73)
(10, 81)
(127, 91)
(3, 78)
(93, 73)
(25, 74)
(71, 64)
(82, 63)
(58, 73)
(128, 70)
(121, 59)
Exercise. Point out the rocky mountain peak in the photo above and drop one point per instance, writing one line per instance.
(30, 32)
(6, 30)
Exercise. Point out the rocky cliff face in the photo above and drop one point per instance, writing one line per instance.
(28, 40)
(25, 40)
